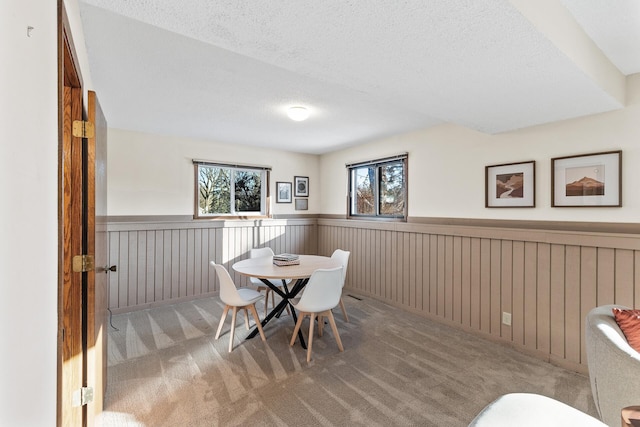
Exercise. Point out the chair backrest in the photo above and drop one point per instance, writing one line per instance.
(260, 252)
(343, 257)
(228, 291)
(323, 290)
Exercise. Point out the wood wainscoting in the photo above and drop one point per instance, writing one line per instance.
(467, 275)
(163, 259)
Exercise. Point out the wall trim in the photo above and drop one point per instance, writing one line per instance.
(590, 236)
(162, 222)
(578, 226)
(600, 227)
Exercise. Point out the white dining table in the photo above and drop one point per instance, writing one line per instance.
(263, 268)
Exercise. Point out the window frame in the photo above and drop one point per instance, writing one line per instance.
(377, 164)
(265, 173)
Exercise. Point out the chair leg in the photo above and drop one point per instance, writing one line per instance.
(233, 328)
(224, 316)
(312, 320)
(344, 310)
(252, 307)
(297, 328)
(246, 318)
(334, 328)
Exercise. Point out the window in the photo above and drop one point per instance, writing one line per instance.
(230, 190)
(378, 188)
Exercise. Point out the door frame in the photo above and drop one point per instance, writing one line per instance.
(71, 357)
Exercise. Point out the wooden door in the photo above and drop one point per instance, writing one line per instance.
(71, 358)
(96, 175)
(82, 296)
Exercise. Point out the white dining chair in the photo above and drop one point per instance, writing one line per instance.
(321, 294)
(236, 298)
(343, 257)
(260, 285)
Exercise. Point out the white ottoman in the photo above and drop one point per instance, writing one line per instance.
(527, 409)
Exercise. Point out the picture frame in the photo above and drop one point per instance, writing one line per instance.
(283, 192)
(301, 186)
(587, 180)
(510, 185)
(302, 204)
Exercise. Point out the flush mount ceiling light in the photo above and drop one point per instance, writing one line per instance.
(298, 114)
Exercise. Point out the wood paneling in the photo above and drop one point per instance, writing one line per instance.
(468, 276)
(160, 262)
(465, 276)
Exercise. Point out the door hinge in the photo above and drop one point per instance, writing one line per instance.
(82, 263)
(82, 397)
(83, 129)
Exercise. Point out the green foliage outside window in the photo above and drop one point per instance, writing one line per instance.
(378, 189)
(392, 189)
(247, 191)
(214, 185)
(228, 190)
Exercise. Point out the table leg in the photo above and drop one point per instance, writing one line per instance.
(277, 310)
(272, 313)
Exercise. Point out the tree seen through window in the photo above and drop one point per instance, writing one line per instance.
(378, 189)
(228, 190)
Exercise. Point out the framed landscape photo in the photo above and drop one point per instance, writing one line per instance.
(593, 180)
(510, 185)
(301, 185)
(283, 192)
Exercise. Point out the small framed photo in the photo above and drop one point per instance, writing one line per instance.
(283, 192)
(302, 204)
(593, 180)
(301, 186)
(510, 185)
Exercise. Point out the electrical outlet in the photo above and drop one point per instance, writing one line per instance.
(506, 318)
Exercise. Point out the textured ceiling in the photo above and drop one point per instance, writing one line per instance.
(614, 25)
(227, 70)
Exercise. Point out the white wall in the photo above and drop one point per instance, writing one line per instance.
(28, 218)
(28, 182)
(447, 164)
(154, 175)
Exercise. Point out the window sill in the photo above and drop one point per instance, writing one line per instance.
(231, 217)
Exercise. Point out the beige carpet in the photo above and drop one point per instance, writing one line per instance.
(165, 369)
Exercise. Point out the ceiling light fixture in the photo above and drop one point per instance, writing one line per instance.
(298, 114)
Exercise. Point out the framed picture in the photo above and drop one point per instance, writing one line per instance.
(301, 186)
(587, 180)
(510, 185)
(283, 192)
(302, 204)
